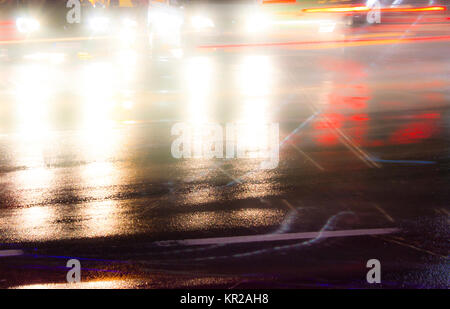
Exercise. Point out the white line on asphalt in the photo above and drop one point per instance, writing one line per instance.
(5, 253)
(384, 213)
(276, 237)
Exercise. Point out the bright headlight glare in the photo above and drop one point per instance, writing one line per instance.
(27, 25)
(99, 23)
(127, 35)
(202, 22)
(257, 23)
(129, 23)
(166, 23)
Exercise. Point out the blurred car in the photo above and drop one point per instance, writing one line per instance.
(41, 27)
(189, 23)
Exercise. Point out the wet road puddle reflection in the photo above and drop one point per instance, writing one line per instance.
(82, 137)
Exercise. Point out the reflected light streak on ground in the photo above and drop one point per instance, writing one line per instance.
(100, 148)
(255, 79)
(111, 284)
(101, 219)
(33, 88)
(226, 219)
(98, 80)
(35, 223)
(198, 78)
(30, 153)
(127, 61)
(200, 195)
(198, 75)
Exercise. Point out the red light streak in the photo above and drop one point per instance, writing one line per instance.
(351, 9)
(278, 1)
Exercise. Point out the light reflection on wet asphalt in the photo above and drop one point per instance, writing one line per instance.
(85, 152)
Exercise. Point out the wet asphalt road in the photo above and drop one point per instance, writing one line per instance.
(86, 168)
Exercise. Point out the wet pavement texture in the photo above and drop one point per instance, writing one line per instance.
(86, 169)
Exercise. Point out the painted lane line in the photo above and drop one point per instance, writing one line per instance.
(382, 211)
(8, 253)
(276, 237)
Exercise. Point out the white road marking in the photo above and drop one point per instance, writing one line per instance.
(276, 237)
(384, 213)
(6, 253)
